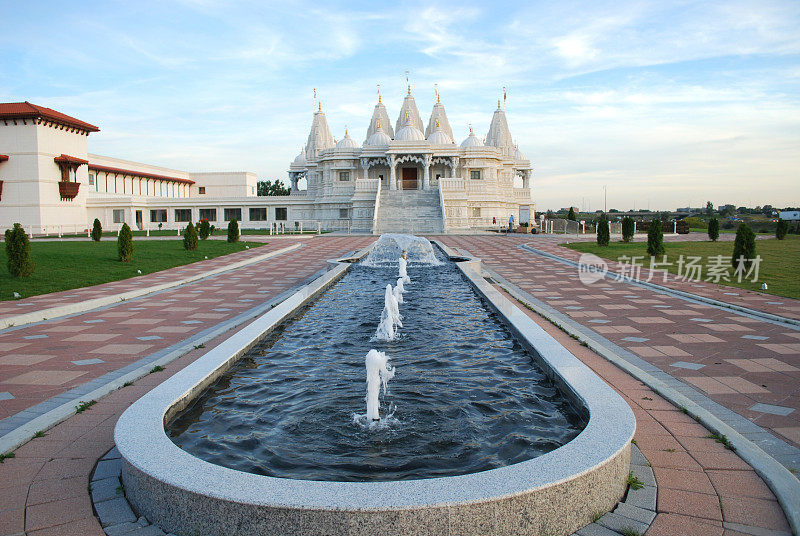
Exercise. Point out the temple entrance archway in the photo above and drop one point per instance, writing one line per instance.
(409, 178)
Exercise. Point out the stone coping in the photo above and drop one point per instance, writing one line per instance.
(588, 473)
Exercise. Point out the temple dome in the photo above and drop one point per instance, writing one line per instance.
(347, 142)
(439, 136)
(409, 132)
(519, 155)
(300, 160)
(379, 138)
(472, 140)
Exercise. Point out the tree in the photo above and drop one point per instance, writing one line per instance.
(125, 243)
(190, 238)
(571, 215)
(628, 228)
(781, 229)
(203, 229)
(264, 188)
(18, 252)
(549, 215)
(97, 230)
(744, 247)
(655, 239)
(713, 229)
(233, 231)
(709, 208)
(603, 231)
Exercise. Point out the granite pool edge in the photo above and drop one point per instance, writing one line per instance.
(559, 492)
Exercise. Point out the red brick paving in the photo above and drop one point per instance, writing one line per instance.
(736, 372)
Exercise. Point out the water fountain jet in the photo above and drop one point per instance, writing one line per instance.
(379, 372)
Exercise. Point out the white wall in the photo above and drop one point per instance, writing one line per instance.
(224, 184)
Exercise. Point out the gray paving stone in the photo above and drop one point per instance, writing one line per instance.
(755, 531)
(643, 498)
(112, 454)
(114, 512)
(5, 395)
(771, 409)
(121, 529)
(595, 529)
(634, 512)
(93, 361)
(106, 489)
(687, 365)
(635, 339)
(637, 458)
(107, 469)
(150, 530)
(645, 474)
(619, 523)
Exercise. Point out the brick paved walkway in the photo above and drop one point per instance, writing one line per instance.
(748, 365)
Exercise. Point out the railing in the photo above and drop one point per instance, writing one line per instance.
(377, 206)
(441, 204)
(452, 183)
(367, 185)
(559, 226)
(522, 194)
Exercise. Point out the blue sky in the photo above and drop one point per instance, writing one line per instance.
(666, 103)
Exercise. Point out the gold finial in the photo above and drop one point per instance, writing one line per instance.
(436, 86)
(379, 93)
(470, 129)
(408, 83)
(498, 104)
(320, 106)
(345, 131)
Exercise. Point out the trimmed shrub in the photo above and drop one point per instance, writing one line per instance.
(744, 245)
(628, 228)
(190, 238)
(603, 231)
(571, 215)
(125, 243)
(713, 229)
(233, 231)
(781, 229)
(203, 229)
(97, 230)
(655, 239)
(18, 251)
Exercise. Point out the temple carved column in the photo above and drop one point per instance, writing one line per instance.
(426, 173)
(392, 175)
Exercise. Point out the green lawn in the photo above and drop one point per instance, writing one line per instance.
(67, 265)
(780, 264)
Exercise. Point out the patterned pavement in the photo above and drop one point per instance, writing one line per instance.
(43, 360)
(745, 364)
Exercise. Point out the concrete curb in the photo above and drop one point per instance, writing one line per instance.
(88, 305)
(779, 479)
(679, 293)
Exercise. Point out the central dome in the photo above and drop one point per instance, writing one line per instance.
(347, 142)
(409, 132)
(379, 138)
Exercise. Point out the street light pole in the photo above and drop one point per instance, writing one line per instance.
(605, 199)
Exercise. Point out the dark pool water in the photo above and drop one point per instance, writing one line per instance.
(466, 396)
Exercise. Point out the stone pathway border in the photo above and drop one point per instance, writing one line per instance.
(780, 480)
(21, 428)
(636, 511)
(88, 305)
(762, 315)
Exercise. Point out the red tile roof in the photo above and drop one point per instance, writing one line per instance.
(70, 159)
(26, 110)
(142, 174)
(3, 157)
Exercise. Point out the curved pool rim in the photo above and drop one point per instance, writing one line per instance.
(560, 491)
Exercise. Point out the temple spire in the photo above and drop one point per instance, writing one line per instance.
(439, 115)
(380, 117)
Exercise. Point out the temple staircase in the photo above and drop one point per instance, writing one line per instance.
(409, 211)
